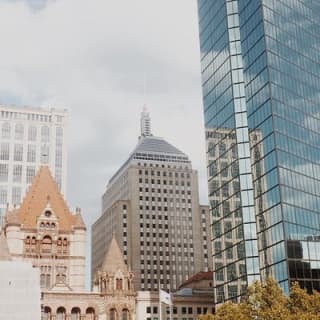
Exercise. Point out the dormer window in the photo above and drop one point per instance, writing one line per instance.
(48, 213)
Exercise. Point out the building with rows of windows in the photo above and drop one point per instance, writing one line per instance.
(260, 79)
(30, 137)
(152, 206)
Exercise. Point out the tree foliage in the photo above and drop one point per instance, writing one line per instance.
(266, 301)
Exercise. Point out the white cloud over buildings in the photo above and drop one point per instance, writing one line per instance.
(90, 56)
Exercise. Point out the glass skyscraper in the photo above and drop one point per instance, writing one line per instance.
(261, 92)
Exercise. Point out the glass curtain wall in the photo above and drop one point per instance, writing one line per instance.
(230, 179)
(260, 75)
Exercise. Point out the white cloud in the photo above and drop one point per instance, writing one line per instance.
(90, 56)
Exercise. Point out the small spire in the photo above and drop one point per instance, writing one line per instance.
(145, 123)
(4, 250)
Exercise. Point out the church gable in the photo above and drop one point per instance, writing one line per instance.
(43, 192)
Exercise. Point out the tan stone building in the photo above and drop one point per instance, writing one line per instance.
(113, 297)
(45, 232)
(151, 204)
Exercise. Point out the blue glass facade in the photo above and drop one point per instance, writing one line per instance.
(261, 91)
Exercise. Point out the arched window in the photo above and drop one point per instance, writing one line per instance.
(46, 313)
(125, 314)
(59, 245)
(61, 313)
(46, 244)
(113, 314)
(6, 130)
(75, 313)
(90, 314)
(33, 244)
(18, 133)
(45, 134)
(65, 245)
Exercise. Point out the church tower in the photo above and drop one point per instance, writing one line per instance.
(44, 231)
(115, 282)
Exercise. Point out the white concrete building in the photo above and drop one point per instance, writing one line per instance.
(29, 138)
(20, 296)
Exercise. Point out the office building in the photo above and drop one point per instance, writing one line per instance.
(151, 204)
(260, 78)
(30, 137)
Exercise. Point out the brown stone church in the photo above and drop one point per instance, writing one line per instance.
(45, 232)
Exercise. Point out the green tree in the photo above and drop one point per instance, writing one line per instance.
(266, 301)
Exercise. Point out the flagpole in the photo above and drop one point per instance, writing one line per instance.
(160, 311)
(170, 307)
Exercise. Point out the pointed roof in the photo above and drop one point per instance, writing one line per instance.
(157, 145)
(12, 218)
(153, 148)
(43, 192)
(113, 260)
(4, 249)
(79, 223)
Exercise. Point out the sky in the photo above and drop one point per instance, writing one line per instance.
(103, 60)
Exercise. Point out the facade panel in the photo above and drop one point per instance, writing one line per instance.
(264, 91)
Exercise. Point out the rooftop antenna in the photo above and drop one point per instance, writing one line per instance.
(145, 121)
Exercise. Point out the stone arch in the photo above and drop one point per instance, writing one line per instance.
(46, 313)
(113, 314)
(75, 313)
(125, 314)
(90, 313)
(46, 244)
(61, 313)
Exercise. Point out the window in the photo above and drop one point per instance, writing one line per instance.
(119, 284)
(61, 274)
(17, 173)
(32, 133)
(61, 313)
(113, 314)
(4, 153)
(75, 313)
(31, 154)
(19, 130)
(125, 314)
(18, 152)
(46, 313)
(45, 276)
(44, 153)
(45, 134)
(90, 314)
(16, 195)
(31, 172)
(3, 195)
(6, 130)
(46, 245)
